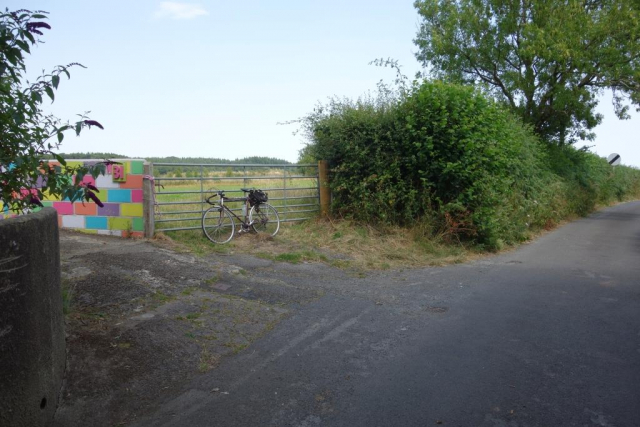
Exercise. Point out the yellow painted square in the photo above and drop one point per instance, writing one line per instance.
(47, 196)
(72, 164)
(131, 209)
(120, 223)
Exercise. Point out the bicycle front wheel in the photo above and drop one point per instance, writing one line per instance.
(264, 219)
(218, 225)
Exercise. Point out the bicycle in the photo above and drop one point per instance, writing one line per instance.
(218, 222)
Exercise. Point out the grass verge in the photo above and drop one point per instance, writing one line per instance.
(341, 243)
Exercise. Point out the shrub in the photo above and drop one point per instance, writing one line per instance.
(28, 135)
(448, 155)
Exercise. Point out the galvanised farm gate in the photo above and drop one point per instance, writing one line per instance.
(180, 190)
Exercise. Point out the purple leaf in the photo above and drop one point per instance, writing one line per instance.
(93, 123)
(36, 201)
(93, 197)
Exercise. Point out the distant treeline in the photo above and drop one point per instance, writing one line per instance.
(89, 156)
(253, 160)
(194, 171)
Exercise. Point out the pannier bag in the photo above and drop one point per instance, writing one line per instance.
(257, 197)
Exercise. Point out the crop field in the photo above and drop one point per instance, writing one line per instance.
(181, 199)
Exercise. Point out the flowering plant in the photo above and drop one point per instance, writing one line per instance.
(27, 134)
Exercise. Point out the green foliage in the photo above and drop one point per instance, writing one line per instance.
(547, 60)
(28, 135)
(446, 155)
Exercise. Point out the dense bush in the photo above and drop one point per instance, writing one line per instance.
(446, 155)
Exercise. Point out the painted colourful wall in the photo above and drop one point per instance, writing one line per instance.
(120, 192)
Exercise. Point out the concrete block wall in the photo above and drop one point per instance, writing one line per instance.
(121, 192)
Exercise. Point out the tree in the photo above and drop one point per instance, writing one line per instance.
(548, 60)
(27, 134)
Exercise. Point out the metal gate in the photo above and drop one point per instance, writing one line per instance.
(182, 188)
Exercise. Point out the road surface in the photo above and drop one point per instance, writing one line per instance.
(546, 335)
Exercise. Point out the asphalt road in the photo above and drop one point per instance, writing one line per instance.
(547, 335)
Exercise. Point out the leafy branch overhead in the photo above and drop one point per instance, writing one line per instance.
(28, 134)
(547, 60)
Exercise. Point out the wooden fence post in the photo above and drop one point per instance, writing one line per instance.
(148, 199)
(325, 192)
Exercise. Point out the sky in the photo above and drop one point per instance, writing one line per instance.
(217, 78)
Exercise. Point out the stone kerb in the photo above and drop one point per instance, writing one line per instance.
(121, 192)
(32, 341)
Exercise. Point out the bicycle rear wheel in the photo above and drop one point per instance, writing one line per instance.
(264, 219)
(218, 225)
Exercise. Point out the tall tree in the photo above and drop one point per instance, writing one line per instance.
(548, 60)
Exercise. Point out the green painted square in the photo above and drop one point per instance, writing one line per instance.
(138, 224)
(137, 167)
(120, 223)
(46, 204)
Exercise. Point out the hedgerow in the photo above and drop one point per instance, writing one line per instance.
(447, 156)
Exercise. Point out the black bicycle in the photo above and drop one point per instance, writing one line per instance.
(218, 221)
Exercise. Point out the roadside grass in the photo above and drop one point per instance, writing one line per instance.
(67, 296)
(346, 244)
(341, 243)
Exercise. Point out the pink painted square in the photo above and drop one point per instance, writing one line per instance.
(88, 179)
(26, 192)
(63, 208)
(136, 196)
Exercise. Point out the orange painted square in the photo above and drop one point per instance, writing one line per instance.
(89, 208)
(133, 181)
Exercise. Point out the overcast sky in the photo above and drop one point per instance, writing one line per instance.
(215, 78)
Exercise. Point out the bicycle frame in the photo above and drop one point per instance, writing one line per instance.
(266, 218)
(244, 221)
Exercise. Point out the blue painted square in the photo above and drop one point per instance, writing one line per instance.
(96, 222)
(120, 196)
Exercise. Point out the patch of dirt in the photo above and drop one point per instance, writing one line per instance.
(142, 321)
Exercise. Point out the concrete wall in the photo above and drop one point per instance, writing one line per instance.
(122, 196)
(121, 191)
(32, 341)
